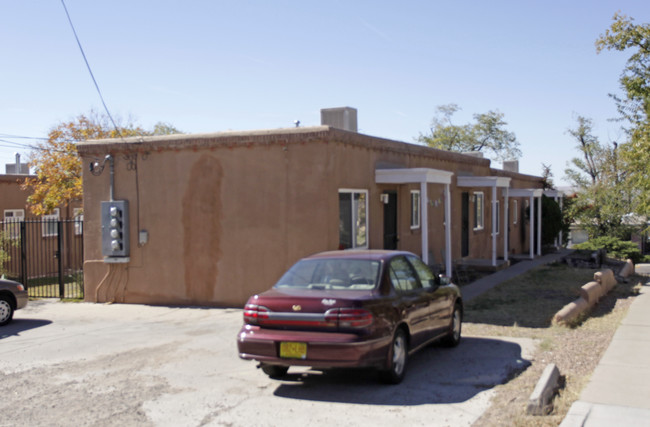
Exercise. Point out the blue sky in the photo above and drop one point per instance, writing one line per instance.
(208, 66)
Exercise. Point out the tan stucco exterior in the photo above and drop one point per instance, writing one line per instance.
(227, 213)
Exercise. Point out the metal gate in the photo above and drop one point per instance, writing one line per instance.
(46, 255)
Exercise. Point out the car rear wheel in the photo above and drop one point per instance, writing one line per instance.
(6, 310)
(398, 357)
(275, 371)
(452, 339)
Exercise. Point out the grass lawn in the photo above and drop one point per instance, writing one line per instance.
(48, 287)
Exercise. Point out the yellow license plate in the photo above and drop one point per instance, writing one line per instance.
(293, 350)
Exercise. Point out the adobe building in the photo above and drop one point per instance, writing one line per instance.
(211, 219)
(33, 253)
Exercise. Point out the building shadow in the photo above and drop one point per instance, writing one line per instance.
(436, 375)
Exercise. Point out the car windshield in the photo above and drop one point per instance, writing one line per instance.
(352, 274)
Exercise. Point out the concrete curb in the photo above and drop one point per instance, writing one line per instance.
(540, 399)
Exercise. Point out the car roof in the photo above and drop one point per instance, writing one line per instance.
(372, 254)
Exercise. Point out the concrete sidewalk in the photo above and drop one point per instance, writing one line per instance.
(619, 390)
(486, 283)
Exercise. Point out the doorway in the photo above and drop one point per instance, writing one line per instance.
(390, 221)
(464, 238)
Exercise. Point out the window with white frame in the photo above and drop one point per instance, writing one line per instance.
(498, 215)
(12, 220)
(353, 219)
(415, 209)
(50, 224)
(479, 210)
(515, 212)
(78, 215)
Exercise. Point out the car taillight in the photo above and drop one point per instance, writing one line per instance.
(349, 317)
(253, 313)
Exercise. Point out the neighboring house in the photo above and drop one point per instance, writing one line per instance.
(40, 250)
(215, 218)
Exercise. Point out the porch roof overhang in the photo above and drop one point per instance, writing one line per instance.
(483, 181)
(412, 175)
(552, 193)
(526, 192)
(424, 176)
(492, 182)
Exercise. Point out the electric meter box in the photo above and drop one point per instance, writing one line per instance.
(115, 229)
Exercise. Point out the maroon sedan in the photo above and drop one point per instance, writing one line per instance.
(350, 309)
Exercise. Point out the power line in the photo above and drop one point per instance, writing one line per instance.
(5, 135)
(89, 70)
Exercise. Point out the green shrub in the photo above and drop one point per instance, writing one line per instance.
(616, 248)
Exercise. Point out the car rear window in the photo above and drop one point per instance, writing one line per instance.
(340, 274)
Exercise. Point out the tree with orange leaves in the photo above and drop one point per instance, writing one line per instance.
(57, 162)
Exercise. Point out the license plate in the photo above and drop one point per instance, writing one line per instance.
(293, 350)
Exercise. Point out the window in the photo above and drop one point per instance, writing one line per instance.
(498, 215)
(402, 276)
(478, 210)
(427, 278)
(13, 218)
(78, 215)
(415, 209)
(50, 224)
(515, 212)
(353, 220)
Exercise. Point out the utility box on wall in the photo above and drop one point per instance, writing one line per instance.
(115, 230)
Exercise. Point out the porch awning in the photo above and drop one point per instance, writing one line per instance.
(413, 175)
(492, 182)
(532, 193)
(424, 176)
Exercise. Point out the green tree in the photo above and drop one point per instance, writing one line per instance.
(547, 177)
(599, 176)
(487, 134)
(58, 165)
(162, 128)
(634, 104)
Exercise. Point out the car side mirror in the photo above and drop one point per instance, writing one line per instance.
(444, 280)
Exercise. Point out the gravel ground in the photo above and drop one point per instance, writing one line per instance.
(87, 364)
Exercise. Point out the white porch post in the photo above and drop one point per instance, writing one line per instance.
(531, 233)
(424, 217)
(562, 212)
(506, 211)
(539, 226)
(494, 226)
(556, 241)
(447, 231)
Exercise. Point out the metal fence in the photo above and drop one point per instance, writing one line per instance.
(46, 255)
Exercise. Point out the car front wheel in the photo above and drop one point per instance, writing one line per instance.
(452, 339)
(398, 357)
(6, 310)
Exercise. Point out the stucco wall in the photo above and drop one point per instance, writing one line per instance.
(227, 214)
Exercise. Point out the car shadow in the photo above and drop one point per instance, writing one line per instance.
(435, 375)
(16, 326)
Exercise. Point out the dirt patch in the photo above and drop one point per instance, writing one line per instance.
(104, 391)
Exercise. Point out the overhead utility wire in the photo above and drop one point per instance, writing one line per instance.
(11, 144)
(5, 135)
(89, 70)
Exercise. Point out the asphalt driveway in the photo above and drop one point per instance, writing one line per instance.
(94, 364)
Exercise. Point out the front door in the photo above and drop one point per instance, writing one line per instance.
(464, 238)
(390, 221)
